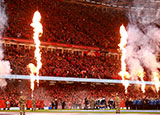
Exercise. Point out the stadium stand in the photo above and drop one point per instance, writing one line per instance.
(69, 23)
(56, 63)
(66, 22)
(74, 94)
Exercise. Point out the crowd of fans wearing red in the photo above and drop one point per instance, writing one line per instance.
(69, 23)
(66, 22)
(56, 63)
(72, 94)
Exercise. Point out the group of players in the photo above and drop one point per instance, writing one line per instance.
(101, 104)
(145, 103)
(94, 105)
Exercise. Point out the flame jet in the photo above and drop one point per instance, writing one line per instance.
(156, 80)
(141, 75)
(37, 33)
(123, 73)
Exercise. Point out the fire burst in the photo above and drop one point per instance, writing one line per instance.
(33, 71)
(122, 46)
(37, 33)
(141, 75)
(156, 80)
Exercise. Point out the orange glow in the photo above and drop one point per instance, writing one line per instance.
(126, 74)
(123, 73)
(33, 70)
(37, 33)
(141, 76)
(156, 80)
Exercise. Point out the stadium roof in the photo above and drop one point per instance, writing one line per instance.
(125, 3)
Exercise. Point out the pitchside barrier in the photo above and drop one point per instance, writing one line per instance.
(71, 79)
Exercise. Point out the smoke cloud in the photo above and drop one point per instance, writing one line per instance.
(144, 39)
(4, 65)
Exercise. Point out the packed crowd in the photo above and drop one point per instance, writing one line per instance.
(56, 63)
(73, 94)
(66, 22)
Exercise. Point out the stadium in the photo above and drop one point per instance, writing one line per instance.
(79, 57)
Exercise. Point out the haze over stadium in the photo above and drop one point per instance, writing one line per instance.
(4, 65)
(143, 41)
(84, 45)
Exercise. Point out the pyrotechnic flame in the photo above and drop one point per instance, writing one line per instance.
(125, 74)
(32, 81)
(126, 84)
(122, 46)
(156, 80)
(33, 70)
(37, 33)
(141, 75)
